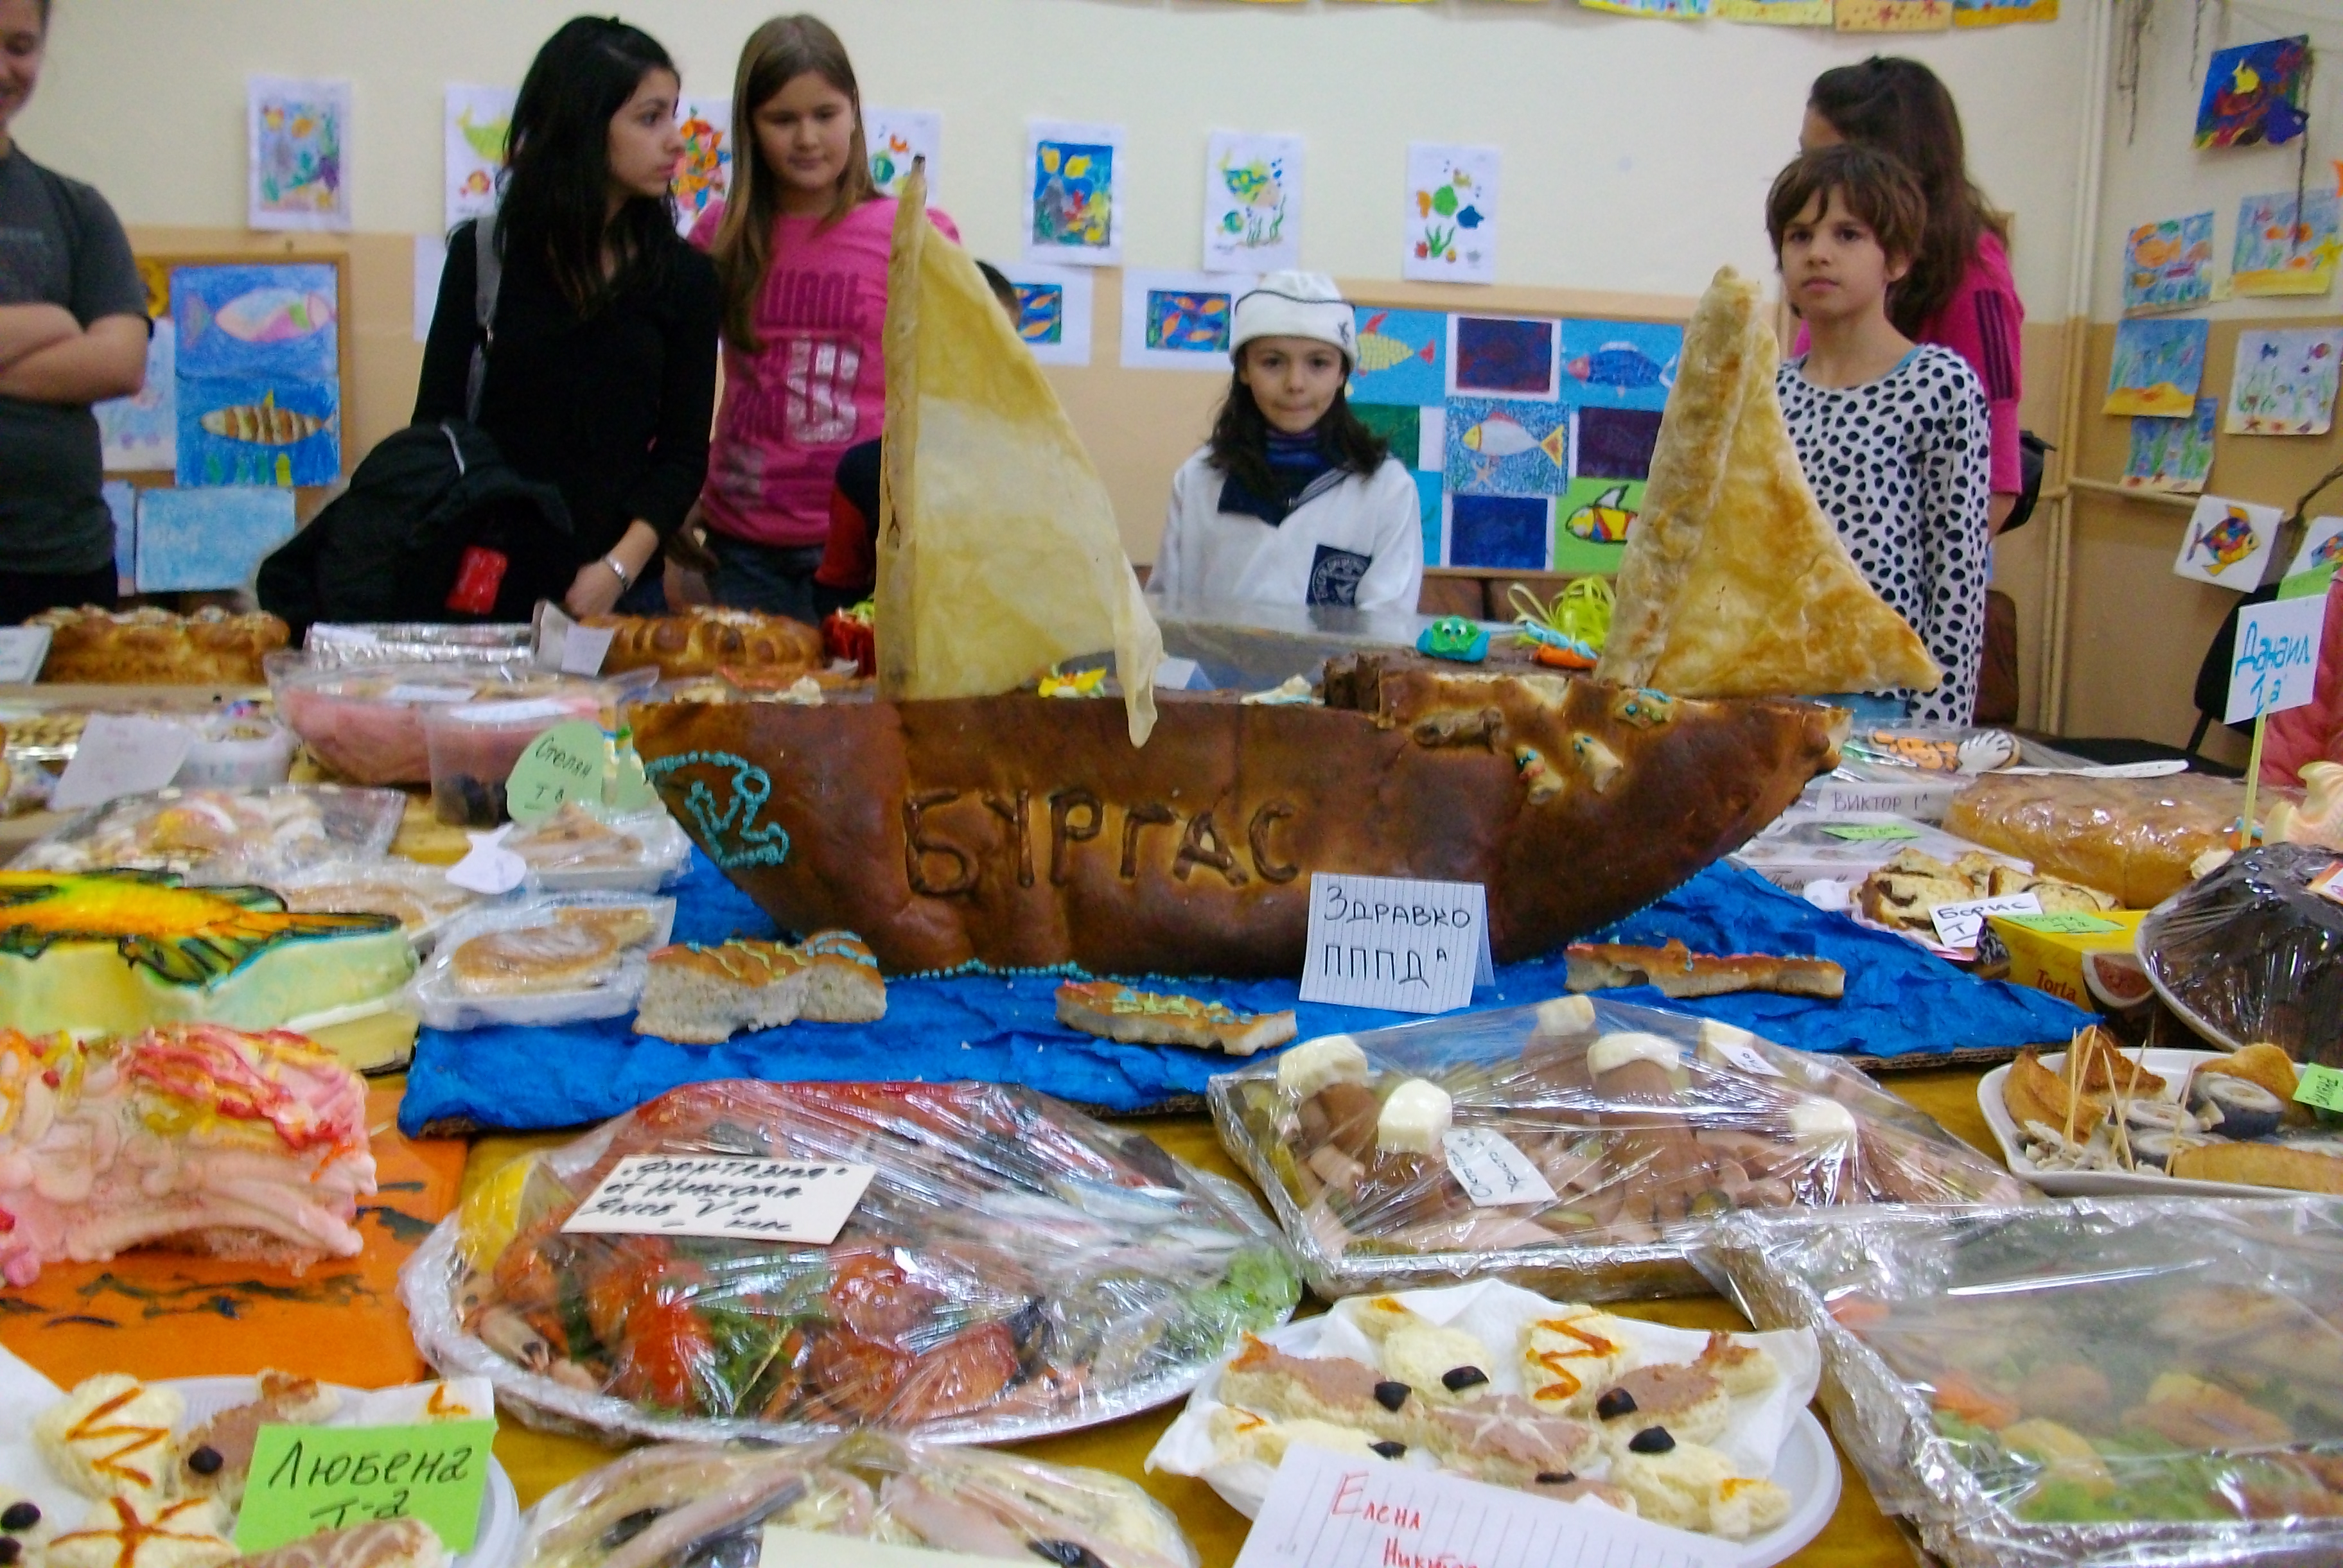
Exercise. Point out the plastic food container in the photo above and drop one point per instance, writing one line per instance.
(235, 750)
(366, 721)
(221, 836)
(542, 961)
(419, 642)
(1579, 1147)
(474, 745)
(420, 897)
(573, 851)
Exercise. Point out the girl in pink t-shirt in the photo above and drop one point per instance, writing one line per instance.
(800, 254)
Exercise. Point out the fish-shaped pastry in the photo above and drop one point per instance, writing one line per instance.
(1620, 365)
(189, 935)
(1605, 519)
(264, 423)
(1501, 436)
(1379, 351)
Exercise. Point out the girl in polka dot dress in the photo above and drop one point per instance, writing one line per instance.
(1893, 437)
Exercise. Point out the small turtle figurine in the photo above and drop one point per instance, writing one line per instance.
(1452, 637)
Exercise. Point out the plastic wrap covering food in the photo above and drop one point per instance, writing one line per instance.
(2252, 954)
(415, 642)
(221, 836)
(2099, 1382)
(2141, 839)
(365, 719)
(421, 898)
(1581, 1148)
(676, 1505)
(1014, 1269)
(576, 850)
(547, 959)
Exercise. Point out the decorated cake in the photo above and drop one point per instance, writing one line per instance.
(242, 1144)
(113, 952)
(1019, 831)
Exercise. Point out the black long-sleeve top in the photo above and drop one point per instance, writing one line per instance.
(612, 409)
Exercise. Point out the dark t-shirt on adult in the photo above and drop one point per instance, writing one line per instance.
(60, 244)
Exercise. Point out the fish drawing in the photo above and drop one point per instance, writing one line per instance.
(264, 314)
(1501, 436)
(485, 140)
(2329, 553)
(188, 936)
(1605, 519)
(1623, 365)
(1379, 351)
(2226, 542)
(264, 423)
(1194, 322)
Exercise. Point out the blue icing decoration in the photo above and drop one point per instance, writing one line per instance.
(751, 787)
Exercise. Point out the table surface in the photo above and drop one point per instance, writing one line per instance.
(1858, 1535)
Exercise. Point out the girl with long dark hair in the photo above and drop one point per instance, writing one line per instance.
(1293, 500)
(1959, 292)
(601, 353)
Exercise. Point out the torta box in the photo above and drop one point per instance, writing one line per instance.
(2047, 958)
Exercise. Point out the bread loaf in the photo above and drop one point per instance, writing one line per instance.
(703, 641)
(150, 646)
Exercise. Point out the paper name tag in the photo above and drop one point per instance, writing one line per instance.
(2328, 883)
(561, 765)
(2277, 658)
(306, 1479)
(560, 643)
(720, 1195)
(1324, 1511)
(121, 754)
(1744, 1057)
(23, 650)
(1957, 925)
(425, 693)
(1864, 832)
(1493, 1172)
(785, 1548)
(488, 867)
(2065, 924)
(1396, 943)
(2321, 1087)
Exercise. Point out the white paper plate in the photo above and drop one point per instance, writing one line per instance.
(2173, 1067)
(499, 1529)
(1804, 1464)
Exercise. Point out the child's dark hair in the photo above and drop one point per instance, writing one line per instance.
(1002, 289)
(557, 177)
(1875, 189)
(1899, 107)
(1239, 443)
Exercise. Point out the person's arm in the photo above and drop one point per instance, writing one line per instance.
(106, 360)
(1984, 325)
(28, 329)
(1394, 578)
(1955, 557)
(445, 385)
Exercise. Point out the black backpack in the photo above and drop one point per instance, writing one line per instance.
(420, 535)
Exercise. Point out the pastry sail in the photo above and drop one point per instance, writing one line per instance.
(1734, 583)
(998, 553)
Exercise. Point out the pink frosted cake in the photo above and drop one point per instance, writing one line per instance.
(224, 1142)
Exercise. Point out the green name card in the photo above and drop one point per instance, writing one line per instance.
(2066, 924)
(2322, 1088)
(306, 1479)
(1865, 832)
(561, 765)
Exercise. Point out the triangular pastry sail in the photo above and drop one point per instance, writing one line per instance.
(997, 551)
(1734, 583)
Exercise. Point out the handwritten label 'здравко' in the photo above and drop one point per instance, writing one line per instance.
(306, 1479)
(720, 1195)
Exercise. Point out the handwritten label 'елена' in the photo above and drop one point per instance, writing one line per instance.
(721, 1195)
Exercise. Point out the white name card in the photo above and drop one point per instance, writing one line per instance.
(2277, 657)
(782, 1547)
(1324, 1511)
(1396, 943)
(1493, 1172)
(121, 754)
(720, 1195)
(1957, 925)
(23, 650)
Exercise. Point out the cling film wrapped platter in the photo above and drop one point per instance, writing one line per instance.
(1578, 1147)
(2094, 1382)
(1013, 1269)
(678, 1505)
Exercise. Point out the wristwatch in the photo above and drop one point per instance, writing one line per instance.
(617, 569)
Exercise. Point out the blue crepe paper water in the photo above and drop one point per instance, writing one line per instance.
(1004, 1029)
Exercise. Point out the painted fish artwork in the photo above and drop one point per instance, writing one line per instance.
(2168, 265)
(1453, 206)
(2172, 456)
(2254, 93)
(705, 172)
(296, 133)
(1504, 356)
(1774, 13)
(278, 319)
(1073, 196)
(1509, 533)
(2284, 382)
(2159, 365)
(897, 139)
(2322, 547)
(2226, 543)
(472, 152)
(1620, 363)
(1614, 443)
(1041, 312)
(194, 540)
(1605, 519)
(1502, 448)
(1252, 202)
(1671, 10)
(2000, 13)
(2279, 254)
(1188, 323)
(242, 430)
(1403, 357)
(1893, 15)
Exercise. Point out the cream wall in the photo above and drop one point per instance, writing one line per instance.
(1637, 154)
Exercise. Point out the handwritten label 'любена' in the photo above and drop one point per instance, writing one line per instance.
(720, 1195)
(306, 1479)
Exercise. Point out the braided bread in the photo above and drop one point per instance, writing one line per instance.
(703, 640)
(154, 647)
